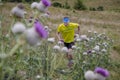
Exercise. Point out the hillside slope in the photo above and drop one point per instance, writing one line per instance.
(107, 4)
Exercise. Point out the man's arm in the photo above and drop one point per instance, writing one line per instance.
(59, 36)
(78, 29)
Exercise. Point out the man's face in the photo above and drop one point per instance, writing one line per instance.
(66, 23)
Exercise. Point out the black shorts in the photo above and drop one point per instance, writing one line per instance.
(68, 45)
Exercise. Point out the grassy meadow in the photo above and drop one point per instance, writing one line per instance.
(27, 62)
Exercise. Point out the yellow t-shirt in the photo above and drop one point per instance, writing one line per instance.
(68, 31)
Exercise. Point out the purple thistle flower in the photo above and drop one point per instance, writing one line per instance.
(46, 2)
(40, 29)
(102, 71)
(89, 51)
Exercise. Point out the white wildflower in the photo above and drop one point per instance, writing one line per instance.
(47, 29)
(41, 7)
(77, 36)
(34, 5)
(93, 51)
(18, 11)
(74, 47)
(97, 48)
(95, 32)
(84, 37)
(99, 77)
(89, 75)
(105, 44)
(32, 37)
(91, 39)
(38, 76)
(52, 40)
(60, 43)
(78, 39)
(104, 50)
(18, 28)
(84, 53)
(56, 47)
(63, 70)
(64, 49)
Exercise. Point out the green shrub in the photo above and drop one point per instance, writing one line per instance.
(92, 9)
(100, 8)
(57, 4)
(66, 5)
(79, 5)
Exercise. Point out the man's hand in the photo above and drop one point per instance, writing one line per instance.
(61, 40)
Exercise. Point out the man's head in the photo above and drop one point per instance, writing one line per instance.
(66, 20)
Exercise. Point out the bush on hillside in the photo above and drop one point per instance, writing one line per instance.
(57, 4)
(79, 5)
(100, 8)
(92, 9)
(66, 5)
